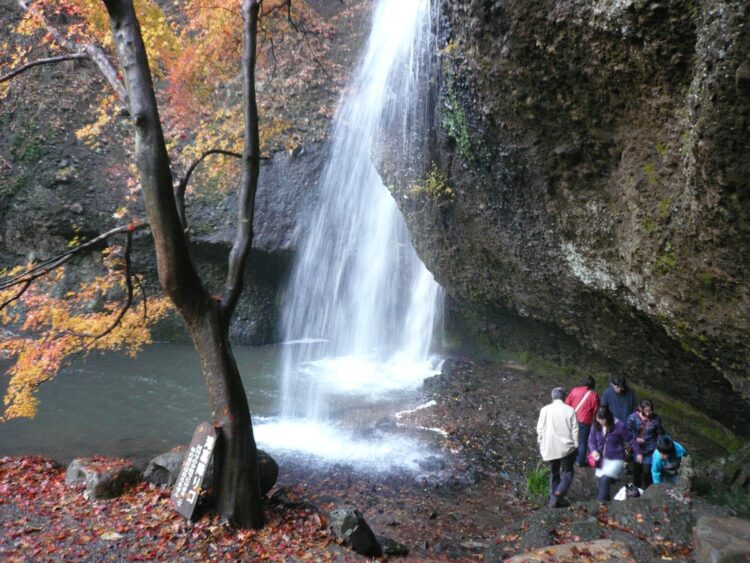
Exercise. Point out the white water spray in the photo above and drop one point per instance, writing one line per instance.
(361, 307)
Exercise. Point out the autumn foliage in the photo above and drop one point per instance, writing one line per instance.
(194, 49)
(53, 326)
(41, 518)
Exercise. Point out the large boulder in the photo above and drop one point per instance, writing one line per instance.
(103, 478)
(591, 205)
(726, 473)
(722, 540)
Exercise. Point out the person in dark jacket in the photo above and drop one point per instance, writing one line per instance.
(607, 442)
(619, 398)
(647, 427)
(585, 401)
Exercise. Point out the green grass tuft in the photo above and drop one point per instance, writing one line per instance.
(537, 481)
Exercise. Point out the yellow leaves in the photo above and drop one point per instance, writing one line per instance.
(86, 21)
(161, 42)
(91, 134)
(120, 212)
(52, 327)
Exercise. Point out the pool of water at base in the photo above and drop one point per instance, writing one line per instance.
(114, 405)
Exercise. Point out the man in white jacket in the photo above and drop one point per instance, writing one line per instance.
(557, 434)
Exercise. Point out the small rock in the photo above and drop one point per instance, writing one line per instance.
(391, 547)
(104, 478)
(76, 208)
(164, 469)
(348, 524)
(432, 463)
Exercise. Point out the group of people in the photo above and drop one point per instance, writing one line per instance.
(580, 429)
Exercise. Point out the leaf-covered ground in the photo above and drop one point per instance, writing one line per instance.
(45, 519)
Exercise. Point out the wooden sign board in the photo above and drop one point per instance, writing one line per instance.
(189, 482)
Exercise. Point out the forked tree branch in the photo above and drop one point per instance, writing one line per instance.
(26, 278)
(250, 163)
(44, 268)
(179, 191)
(37, 62)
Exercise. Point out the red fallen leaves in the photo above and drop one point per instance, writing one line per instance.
(41, 517)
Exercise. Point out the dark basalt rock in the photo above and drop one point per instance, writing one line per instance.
(348, 524)
(598, 162)
(345, 522)
(391, 547)
(103, 479)
(164, 469)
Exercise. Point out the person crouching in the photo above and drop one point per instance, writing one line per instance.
(667, 460)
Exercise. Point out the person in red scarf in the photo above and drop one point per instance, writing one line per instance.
(585, 401)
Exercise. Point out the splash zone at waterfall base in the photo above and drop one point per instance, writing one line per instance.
(473, 502)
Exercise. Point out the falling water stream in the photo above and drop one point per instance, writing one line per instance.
(361, 307)
(359, 318)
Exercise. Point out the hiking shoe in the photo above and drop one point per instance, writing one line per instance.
(553, 501)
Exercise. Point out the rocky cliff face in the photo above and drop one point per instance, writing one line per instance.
(53, 187)
(591, 197)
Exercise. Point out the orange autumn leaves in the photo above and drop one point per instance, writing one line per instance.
(203, 85)
(194, 49)
(49, 327)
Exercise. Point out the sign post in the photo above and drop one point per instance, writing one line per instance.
(190, 480)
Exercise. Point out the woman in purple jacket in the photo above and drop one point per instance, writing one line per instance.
(646, 425)
(607, 444)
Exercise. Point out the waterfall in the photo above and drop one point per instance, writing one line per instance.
(361, 308)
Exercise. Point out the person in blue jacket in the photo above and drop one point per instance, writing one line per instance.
(665, 466)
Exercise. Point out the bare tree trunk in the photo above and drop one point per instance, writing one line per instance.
(207, 318)
(236, 479)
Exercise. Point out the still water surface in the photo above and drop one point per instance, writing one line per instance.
(119, 406)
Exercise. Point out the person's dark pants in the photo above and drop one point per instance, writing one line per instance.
(583, 442)
(561, 475)
(642, 475)
(604, 485)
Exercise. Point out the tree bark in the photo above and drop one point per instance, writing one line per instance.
(236, 478)
(250, 162)
(207, 318)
